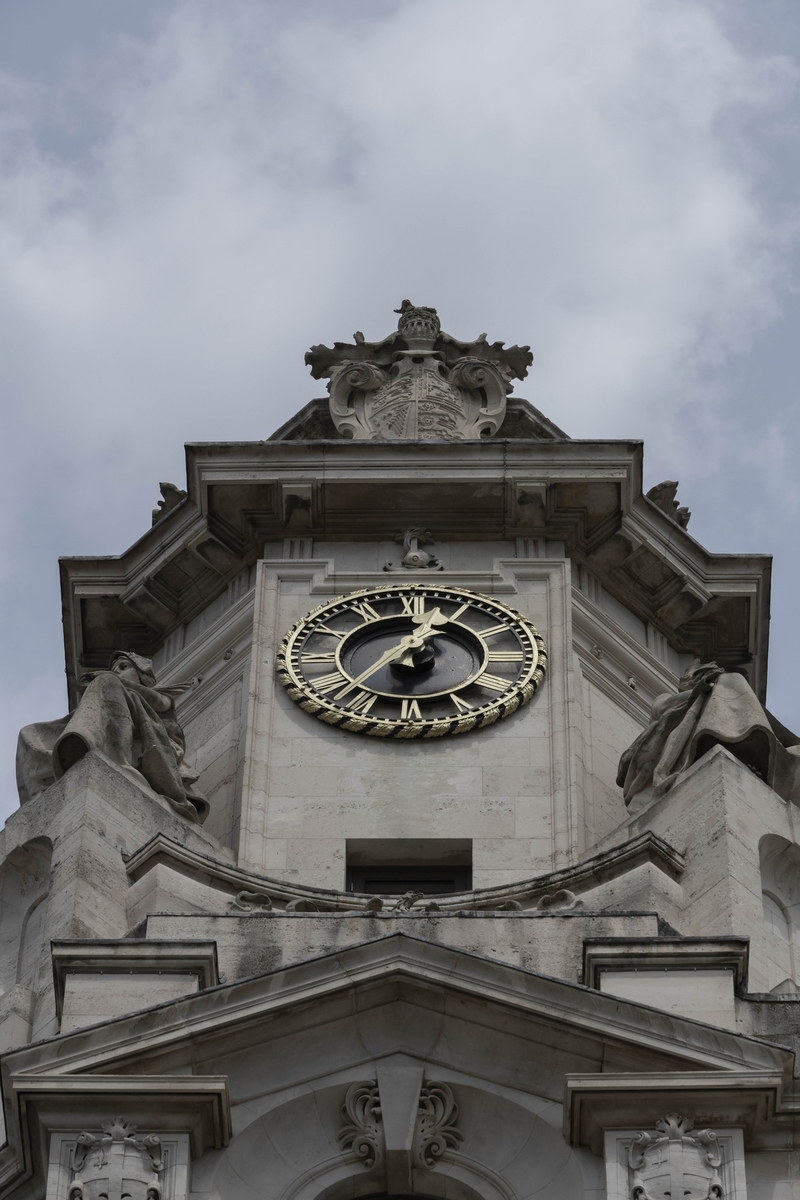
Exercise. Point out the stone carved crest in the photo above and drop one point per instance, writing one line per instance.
(363, 1133)
(419, 383)
(117, 1165)
(436, 1123)
(675, 1163)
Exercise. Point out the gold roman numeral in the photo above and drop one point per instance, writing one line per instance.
(413, 606)
(362, 702)
(409, 710)
(327, 683)
(461, 705)
(365, 611)
(493, 630)
(493, 682)
(321, 657)
(459, 611)
(505, 656)
(337, 633)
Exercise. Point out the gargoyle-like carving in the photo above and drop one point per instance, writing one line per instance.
(172, 496)
(363, 1133)
(415, 558)
(418, 383)
(675, 1162)
(125, 716)
(436, 1123)
(407, 901)
(663, 496)
(117, 1165)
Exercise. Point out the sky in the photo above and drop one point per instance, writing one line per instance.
(192, 194)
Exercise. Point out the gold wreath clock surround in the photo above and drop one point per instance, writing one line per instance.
(412, 661)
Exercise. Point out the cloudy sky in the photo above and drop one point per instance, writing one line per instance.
(191, 194)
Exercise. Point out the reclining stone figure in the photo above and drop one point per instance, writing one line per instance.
(711, 707)
(125, 717)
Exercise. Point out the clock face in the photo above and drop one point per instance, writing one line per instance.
(412, 661)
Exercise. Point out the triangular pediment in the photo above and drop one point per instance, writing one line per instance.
(399, 994)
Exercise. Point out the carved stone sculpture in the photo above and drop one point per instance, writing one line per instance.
(663, 496)
(414, 557)
(436, 1123)
(172, 496)
(117, 1166)
(711, 707)
(418, 383)
(124, 716)
(362, 1134)
(675, 1162)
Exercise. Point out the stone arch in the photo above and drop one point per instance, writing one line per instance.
(510, 1150)
(780, 893)
(24, 884)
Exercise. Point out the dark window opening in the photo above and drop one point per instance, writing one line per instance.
(391, 881)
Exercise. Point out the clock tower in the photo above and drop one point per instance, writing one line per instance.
(416, 828)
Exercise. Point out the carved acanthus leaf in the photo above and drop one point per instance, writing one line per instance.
(362, 1134)
(436, 1121)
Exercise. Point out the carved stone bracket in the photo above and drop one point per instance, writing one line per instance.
(117, 1165)
(675, 1162)
(419, 383)
(362, 1134)
(436, 1130)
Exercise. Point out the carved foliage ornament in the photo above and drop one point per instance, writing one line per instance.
(435, 1130)
(675, 1163)
(436, 1123)
(362, 1134)
(117, 1166)
(419, 383)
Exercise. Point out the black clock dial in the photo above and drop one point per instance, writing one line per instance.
(412, 661)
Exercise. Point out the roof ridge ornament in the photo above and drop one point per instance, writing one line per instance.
(419, 383)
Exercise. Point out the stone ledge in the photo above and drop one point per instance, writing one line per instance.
(131, 957)
(656, 954)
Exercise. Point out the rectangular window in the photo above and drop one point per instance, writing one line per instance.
(392, 866)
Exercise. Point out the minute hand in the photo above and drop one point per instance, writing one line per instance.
(412, 641)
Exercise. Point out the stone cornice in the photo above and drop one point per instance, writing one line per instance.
(587, 494)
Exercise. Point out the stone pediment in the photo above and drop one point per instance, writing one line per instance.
(443, 987)
(380, 1017)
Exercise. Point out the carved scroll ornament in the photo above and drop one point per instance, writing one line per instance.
(362, 1134)
(418, 383)
(436, 1123)
(675, 1162)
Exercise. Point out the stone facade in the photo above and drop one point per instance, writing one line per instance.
(541, 946)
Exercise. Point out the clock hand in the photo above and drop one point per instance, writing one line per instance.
(407, 645)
